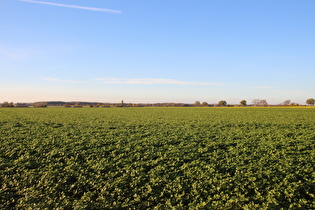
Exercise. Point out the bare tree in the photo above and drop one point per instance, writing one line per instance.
(260, 102)
(287, 102)
(256, 102)
(263, 102)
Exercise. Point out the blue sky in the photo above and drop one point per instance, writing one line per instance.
(157, 50)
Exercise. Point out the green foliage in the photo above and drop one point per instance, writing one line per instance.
(310, 101)
(157, 158)
(222, 103)
(243, 102)
(204, 103)
(197, 103)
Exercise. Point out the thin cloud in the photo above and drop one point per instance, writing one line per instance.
(63, 81)
(15, 53)
(153, 82)
(75, 6)
(264, 87)
(134, 81)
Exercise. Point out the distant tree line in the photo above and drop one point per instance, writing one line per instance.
(221, 103)
(7, 104)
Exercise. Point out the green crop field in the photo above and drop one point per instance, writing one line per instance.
(157, 158)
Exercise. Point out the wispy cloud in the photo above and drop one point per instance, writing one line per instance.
(63, 81)
(75, 6)
(135, 81)
(264, 87)
(15, 53)
(152, 81)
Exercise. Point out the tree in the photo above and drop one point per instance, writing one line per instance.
(310, 101)
(287, 102)
(256, 102)
(259, 102)
(197, 103)
(243, 102)
(204, 103)
(7, 104)
(222, 103)
(263, 102)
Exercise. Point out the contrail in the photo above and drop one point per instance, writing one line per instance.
(75, 6)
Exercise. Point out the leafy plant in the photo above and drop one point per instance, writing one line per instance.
(146, 158)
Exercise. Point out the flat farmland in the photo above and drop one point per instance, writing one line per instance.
(157, 158)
